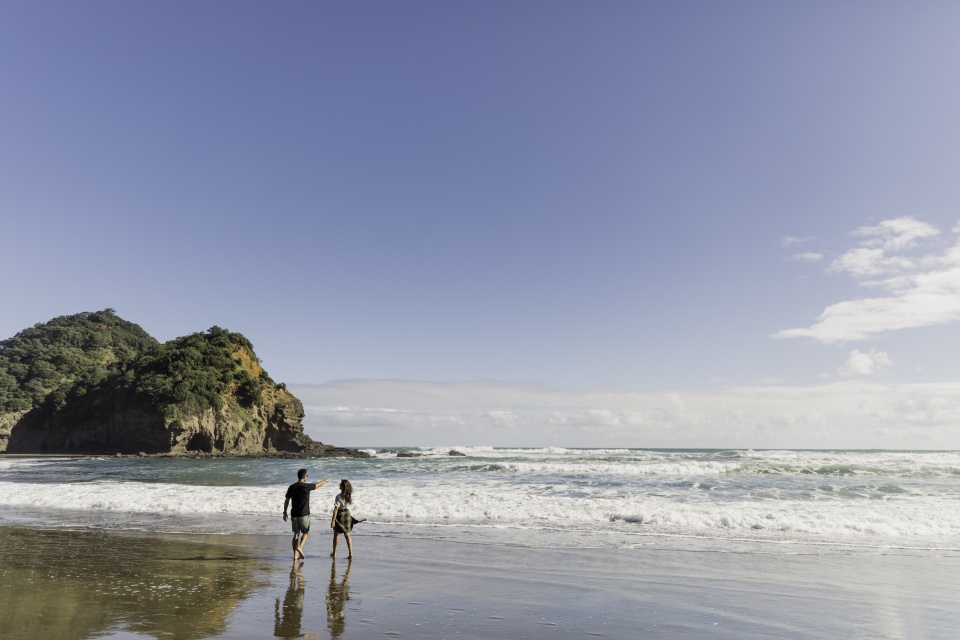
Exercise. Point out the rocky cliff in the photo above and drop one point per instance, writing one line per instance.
(65, 387)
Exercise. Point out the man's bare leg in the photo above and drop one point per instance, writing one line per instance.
(296, 545)
(303, 541)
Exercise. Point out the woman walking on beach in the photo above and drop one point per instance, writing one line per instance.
(341, 521)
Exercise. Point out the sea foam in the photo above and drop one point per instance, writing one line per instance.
(824, 496)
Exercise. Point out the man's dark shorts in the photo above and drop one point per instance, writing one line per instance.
(300, 524)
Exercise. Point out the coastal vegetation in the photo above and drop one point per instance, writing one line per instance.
(60, 362)
(95, 383)
(68, 355)
(194, 372)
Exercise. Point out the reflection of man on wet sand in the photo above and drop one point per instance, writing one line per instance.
(286, 620)
(299, 494)
(337, 596)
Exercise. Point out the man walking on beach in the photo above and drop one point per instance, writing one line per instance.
(299, 494)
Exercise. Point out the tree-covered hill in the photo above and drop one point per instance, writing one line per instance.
(196, 371)
(95, 383)
(78, 351)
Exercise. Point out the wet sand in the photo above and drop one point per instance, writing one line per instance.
(87, 584)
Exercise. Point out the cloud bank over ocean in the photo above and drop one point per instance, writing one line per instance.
(847, 414)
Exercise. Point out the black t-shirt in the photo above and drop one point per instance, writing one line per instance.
(299, 494)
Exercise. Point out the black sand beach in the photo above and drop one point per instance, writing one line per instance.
(95, 584)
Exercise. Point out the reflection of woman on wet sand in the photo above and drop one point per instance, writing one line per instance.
(337, 596)
(286, 623)
(341, 521)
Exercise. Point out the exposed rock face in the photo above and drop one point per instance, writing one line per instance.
(7, 422)
(122, 424)
(117, 427)
(201, 394)
(272, 427)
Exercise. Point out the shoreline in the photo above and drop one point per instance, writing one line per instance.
(4, 454)
(84, 583)
(333, 452)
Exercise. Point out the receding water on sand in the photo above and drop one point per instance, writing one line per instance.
(97, 584)
(81, 584)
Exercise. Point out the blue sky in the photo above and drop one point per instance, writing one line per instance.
(517, 223)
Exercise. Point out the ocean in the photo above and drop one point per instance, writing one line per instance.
(743, 501)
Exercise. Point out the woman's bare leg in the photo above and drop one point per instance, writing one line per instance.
(349, 544)
(336, 534)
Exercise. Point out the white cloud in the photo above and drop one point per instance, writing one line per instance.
(873, 257)
(852, 414)
(921, 300)
(870, 363)
(807, 257)
(897, 234)
(864, 262)
(921, 291)
(789, 241)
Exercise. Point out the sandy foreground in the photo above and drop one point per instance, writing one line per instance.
(66, 585)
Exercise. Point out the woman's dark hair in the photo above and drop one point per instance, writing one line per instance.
(346, 491)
